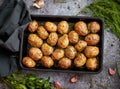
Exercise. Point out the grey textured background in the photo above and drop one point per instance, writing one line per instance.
(111, 51)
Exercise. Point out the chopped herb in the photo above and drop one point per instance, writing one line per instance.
(118, 67)
(103, 86)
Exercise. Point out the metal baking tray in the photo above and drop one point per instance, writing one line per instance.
(24, 46)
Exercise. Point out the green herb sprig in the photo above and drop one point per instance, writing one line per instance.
(28, 81)
(108, 10)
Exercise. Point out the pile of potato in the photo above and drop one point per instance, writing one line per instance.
(53, 44)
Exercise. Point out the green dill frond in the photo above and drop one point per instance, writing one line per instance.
(109, 11)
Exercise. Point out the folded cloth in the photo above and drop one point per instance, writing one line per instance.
(14, 17)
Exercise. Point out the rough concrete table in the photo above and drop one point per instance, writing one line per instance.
(111, 51)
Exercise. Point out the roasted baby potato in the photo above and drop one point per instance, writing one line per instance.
(35, 53)
(70, 52)
(63, 27)
(92, 39)
(33, 25)
(63, 41)
(73, 37)
(42, 32)
(94, 27)
(52, 38)
(80, 60)
(34, 40)
(46, 49)
(28, 62)
(81, 28)
(58, 45)
(80, 46)
(47, 61)
(58, 54)
(92, 63)
(91, 51)
(64, 63)
(50, 26)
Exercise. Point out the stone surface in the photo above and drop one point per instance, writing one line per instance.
(111, 51)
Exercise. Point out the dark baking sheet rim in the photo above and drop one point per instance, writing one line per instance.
(65, 18)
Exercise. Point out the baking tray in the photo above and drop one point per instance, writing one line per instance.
(24, 46)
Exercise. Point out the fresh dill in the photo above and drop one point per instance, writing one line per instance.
(109, 11)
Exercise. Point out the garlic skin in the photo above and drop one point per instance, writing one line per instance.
(39, 4)
(74, 79)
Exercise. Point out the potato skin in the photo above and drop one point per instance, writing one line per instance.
(34, 40)
(92, 63)
(35, 53)
(81, 28)
(58, 54)
(94, 27)
(33, 25)
(46, 61)
(52, 38)
(70, 52)
(63, 27)
(64, 63)
(50, 26)
(47, 49)
(73, 37)
(92, 39)
(80, 46)
(80, 60)
(28, 62)
(91, 51)
(63, 41)
(42, 32)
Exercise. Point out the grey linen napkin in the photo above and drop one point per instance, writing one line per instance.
(14, 17)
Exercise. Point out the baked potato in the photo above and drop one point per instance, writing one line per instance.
(64, 63)
(92, 39)
(92, 63)
(47, 61)
(73, 37)
(42, 32)
(34, 40)
(63, 41)
(80, 46)
(52, 38)
(80, 60)
(91, 51)
(47, 49)
(35, 53)
(58, 54)
(70, 52)
(81, 28)
(50, 26)
(33, 25)
(63, 27)
(94, 27)
(28, 62)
